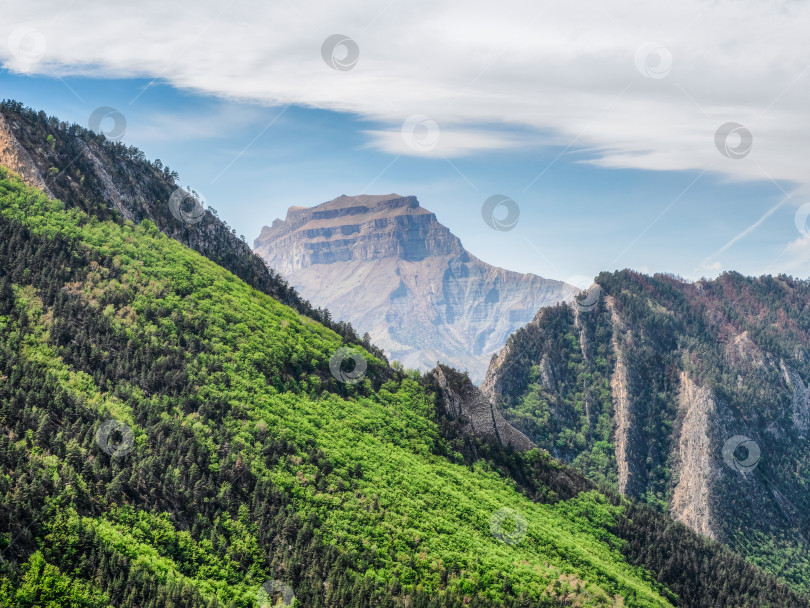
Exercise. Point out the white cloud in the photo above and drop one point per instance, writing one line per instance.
(566, 70)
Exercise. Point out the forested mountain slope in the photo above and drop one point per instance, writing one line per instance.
(170, 436)
(111, 180)
(248, 460)
(690, 396)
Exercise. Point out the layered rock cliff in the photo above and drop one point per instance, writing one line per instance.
(692, 396)
(385, 264)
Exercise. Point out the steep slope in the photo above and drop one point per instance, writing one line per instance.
(232, 416)
(170, 436)
(387, 266)
(113, 181)
(691, 396)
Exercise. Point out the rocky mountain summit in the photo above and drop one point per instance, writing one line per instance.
(461, 400)
(385, 264)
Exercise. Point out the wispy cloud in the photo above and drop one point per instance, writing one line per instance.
(446, 142)
(741, 235)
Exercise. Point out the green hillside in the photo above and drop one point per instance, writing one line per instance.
(249, 462)
(691, 366)
(170, 436)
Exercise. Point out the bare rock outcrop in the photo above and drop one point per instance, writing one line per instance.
(801, 398)
(691, 498)
(622, 404)
(14, 156)
(464, 401)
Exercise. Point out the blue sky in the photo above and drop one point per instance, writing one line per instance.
(596, 190)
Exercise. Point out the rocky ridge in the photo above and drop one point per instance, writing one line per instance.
(692, 396)
(461, 400)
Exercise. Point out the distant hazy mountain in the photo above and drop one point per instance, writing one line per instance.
(387, 266)
(692, 396)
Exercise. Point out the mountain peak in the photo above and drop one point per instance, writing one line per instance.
(378, 205)
(360, 199)
(365, 226)
(389, 267)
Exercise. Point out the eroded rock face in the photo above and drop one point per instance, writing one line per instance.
(16, 157)
(385, 264)
(622, 401)
(463, 400)
(691, 497)
(801, 398)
